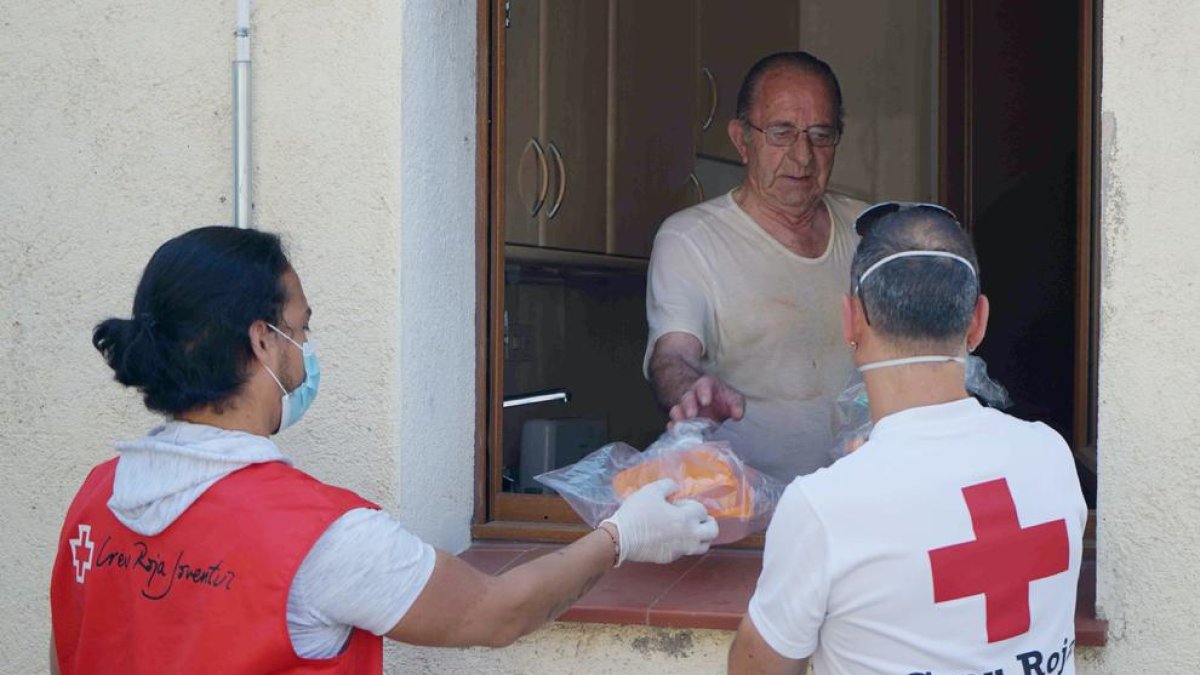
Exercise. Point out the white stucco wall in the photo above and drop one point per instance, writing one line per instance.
(581, 649)
(435, 414)
(365, 122)
(1148, 537)
(114, 135)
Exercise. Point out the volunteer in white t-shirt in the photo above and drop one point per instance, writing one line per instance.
(743, 289)
(950, 541)
(200, 549)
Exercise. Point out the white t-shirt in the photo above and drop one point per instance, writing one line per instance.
(769, 322)
(365, 571)
(920, 552)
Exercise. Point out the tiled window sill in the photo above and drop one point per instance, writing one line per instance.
(708, 591)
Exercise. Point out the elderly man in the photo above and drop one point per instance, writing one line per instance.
(743, 289)
(950, 542)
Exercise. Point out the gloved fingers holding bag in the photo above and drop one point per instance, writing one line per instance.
(652, 529)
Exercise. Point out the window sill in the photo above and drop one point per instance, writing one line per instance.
(708, 591)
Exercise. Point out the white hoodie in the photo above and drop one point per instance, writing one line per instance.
(159, 476)
(381, 567)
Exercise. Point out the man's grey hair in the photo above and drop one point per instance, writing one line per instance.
(918, 299)
(802, 61)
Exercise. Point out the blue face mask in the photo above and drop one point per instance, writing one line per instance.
(296, 402)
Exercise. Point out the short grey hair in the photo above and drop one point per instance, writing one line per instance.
(801, 61)
(919, 299)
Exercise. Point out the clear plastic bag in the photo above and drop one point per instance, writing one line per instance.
(852, 416)
(738, 497)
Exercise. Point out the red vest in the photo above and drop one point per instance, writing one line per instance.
(206, 595)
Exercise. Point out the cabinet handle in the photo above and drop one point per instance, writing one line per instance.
(699, 188)
(543, 171)
(712, 97)
(562, 180)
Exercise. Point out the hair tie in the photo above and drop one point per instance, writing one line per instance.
(146, 321)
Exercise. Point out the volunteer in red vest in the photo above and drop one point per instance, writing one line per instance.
(950, 541)
(200, 549)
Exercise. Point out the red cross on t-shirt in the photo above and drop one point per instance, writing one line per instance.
(1002, 560)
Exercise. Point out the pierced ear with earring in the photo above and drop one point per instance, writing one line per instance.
(853, 346)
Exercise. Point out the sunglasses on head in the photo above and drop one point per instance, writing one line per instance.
(867, 220)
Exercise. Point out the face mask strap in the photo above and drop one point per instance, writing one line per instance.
(904, 254)
(286, 337)
(277, 382)
(910, 360)
(913, 254)
(268, 368)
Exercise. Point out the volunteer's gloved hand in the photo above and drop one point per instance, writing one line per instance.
(651, 529)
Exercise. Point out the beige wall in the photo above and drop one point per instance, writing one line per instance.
(1149, 537)
(114, 135)
(580, 649)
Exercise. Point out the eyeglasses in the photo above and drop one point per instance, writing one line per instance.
(786, 135)
(867, 220)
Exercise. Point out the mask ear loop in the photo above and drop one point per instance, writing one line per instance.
(862, 301)
(913, 254)
(909, 360)
(273, 377)
(286, 337)
(268, 368)
(904, 254)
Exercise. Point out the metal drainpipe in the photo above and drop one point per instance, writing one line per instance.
(242, 203)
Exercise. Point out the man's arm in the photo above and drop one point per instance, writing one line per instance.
(682, 387)
(751, 655)
(461, 606)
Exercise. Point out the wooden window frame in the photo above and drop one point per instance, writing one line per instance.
(955, 187)
(498, 515)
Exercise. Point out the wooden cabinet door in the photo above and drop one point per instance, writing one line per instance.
(733, 35)
(555, 90)
(573, 98)
(526, 167)
(652, 137)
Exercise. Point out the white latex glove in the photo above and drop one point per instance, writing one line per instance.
(651, 529)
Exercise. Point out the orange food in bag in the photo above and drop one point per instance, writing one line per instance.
(701, 472)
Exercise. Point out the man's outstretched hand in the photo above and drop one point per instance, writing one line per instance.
(711, 398)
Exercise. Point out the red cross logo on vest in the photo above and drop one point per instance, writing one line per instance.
(84, 541)
(1002, 560)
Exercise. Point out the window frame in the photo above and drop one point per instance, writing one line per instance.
(955, 182)
(499, 515)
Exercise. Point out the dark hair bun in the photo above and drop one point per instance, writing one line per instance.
(141, 359)
(124, 343)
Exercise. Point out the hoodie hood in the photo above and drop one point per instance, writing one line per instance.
(159, 476)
